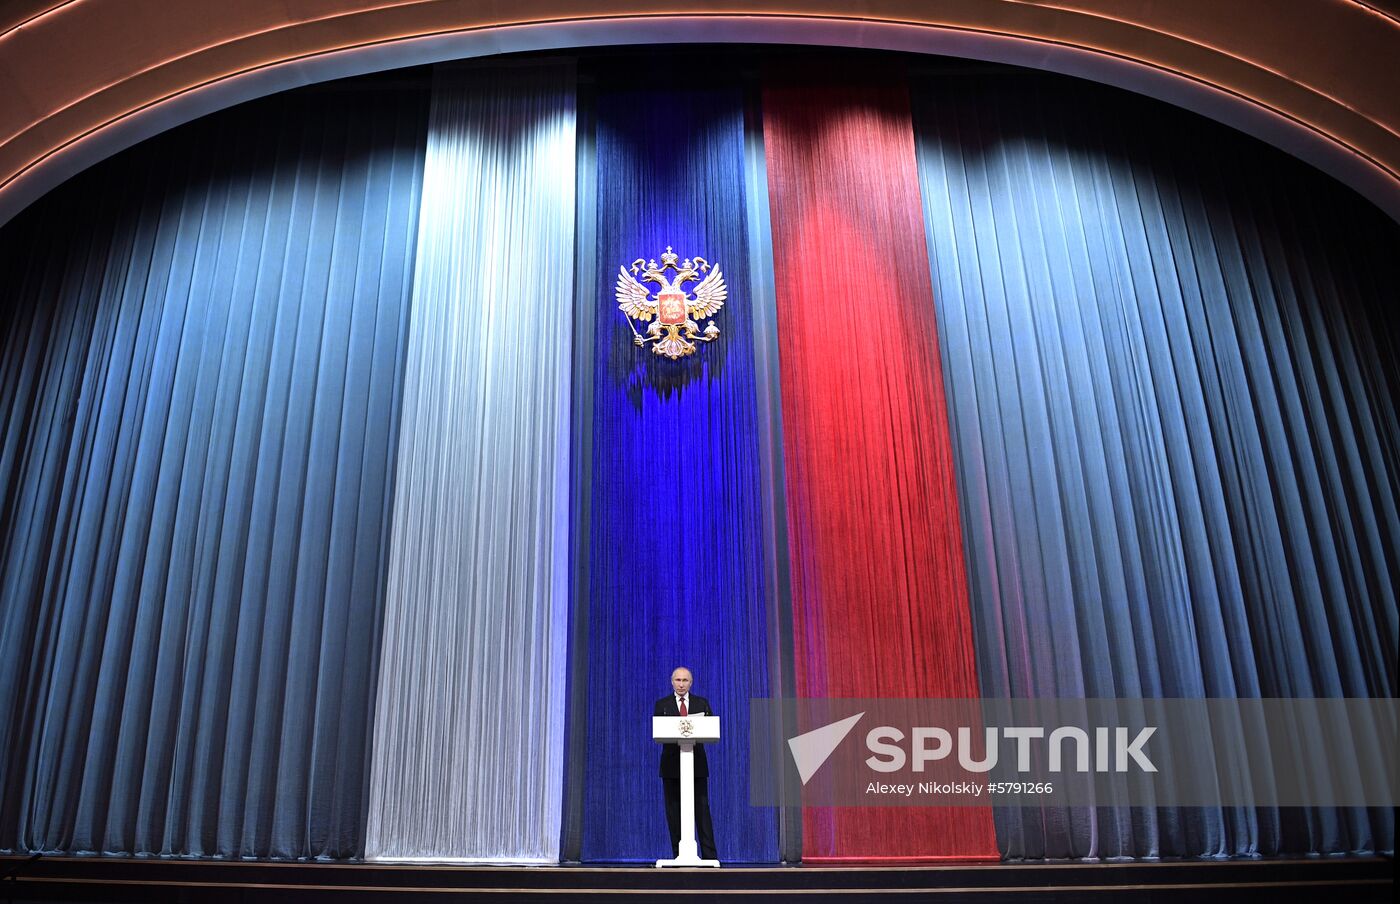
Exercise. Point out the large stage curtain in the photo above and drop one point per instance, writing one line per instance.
(879, 596)
(1171, 365)
(675, 568)
(202, 347)
(468, 738)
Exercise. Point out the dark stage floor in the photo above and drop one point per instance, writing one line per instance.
(101, 880)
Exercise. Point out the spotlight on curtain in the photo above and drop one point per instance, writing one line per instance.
(1170, 361)
(468, 740)
(202, 351)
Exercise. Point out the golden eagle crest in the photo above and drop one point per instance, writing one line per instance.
(675, 313)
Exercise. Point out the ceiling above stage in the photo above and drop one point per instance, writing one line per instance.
(85, 79)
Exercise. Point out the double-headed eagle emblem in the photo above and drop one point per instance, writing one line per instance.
(675, 313)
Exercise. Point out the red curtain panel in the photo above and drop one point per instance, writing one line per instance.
(880, 605)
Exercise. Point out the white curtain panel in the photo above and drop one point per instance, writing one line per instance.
(469, 725)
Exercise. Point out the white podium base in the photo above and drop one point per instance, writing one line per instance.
(689, 856)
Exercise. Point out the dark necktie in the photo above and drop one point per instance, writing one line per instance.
(683, 710)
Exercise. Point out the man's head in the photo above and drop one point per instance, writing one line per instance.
(680, 681)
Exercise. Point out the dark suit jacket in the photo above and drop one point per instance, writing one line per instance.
(671, 753)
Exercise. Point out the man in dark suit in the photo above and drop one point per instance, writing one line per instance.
(683, 703)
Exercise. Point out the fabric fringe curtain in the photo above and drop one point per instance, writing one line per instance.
(675, 538)
(468, 738)
(1172, 391)
(202, 343)
(879, 595)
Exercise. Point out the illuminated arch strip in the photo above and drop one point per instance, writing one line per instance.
(1330, 104)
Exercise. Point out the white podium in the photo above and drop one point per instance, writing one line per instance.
(685, 731)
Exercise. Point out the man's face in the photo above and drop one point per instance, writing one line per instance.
(680, 682)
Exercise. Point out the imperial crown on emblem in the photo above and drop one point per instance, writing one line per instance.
(676, 314)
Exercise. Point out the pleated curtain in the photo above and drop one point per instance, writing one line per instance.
(1170, 361)
(674, 540)
(468, 736)
(879, 593)
(331, 527)
(201, 346)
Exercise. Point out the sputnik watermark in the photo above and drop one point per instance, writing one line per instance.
(931, 792)
(1060, 752)
(1113, 751)
(888, 755)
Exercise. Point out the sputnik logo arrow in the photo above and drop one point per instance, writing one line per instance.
(811, 749)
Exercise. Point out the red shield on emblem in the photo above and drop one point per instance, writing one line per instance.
(671, 307)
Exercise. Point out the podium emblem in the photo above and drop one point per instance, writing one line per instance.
(676, 327)
(685, 727)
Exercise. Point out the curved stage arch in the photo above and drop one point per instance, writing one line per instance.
(1253, 65)
(319, 424)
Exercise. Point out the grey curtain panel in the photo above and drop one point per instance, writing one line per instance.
(201, 346)
(1170, 358)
